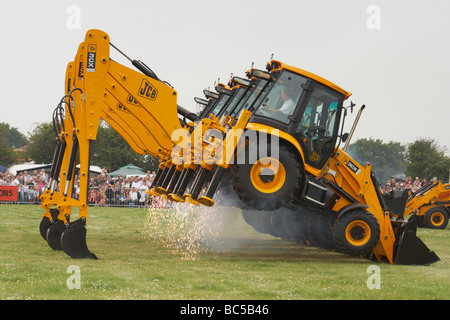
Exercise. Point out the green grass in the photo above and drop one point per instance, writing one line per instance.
(143, 256)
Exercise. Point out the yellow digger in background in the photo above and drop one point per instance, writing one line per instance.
(275, 135)
(431, 204)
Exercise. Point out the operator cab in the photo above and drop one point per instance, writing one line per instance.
(260, 81)
(214, 108)
(245, 94)
(240, 89)
(305, 106)
(205, 104)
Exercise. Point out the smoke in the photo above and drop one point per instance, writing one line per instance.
(387, 159)
(299, 224)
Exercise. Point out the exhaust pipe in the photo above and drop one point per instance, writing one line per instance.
(352, 131)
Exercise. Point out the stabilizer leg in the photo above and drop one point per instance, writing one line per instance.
(162, 189)
(178, 193)
(207, 200)
(196, 188)
(160, 179)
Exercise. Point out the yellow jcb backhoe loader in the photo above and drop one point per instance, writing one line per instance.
(277, 136)
(432, 203)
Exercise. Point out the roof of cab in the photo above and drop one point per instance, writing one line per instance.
(282, 66)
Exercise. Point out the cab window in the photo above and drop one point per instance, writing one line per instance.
(219, 105)
(283, 98)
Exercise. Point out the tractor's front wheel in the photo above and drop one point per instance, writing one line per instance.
(356, 232)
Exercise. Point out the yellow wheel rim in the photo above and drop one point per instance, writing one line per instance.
(437, 218)
(358, 233)
(268, 175)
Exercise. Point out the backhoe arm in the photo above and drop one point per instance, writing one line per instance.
(142, 109)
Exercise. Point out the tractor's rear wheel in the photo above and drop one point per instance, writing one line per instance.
(356, 232)
(269, 183)
(259, 220)
(436, 218)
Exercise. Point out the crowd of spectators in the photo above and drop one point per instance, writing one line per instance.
(104, 190)
(409, 184)
(30, 186)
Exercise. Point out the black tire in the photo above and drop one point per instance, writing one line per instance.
(420, 222)
(356, 232)
(259, 220)
(324, 223)
(294, 225)
(249, 190)
(436, 218)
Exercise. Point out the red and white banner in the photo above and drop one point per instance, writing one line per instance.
(9, 193)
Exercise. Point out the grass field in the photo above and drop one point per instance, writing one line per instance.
(162, 254)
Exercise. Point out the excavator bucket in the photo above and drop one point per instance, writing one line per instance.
(410, 249)
(54, 235)
(45, 224)
(73, 241)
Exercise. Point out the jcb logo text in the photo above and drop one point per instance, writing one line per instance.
(147, 90)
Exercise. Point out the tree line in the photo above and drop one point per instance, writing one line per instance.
(423, 157)
(109, 150)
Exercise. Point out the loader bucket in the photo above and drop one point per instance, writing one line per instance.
(410, 250)
(396, 201)
(73, 241)
(46, 223)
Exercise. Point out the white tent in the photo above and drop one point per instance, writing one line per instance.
(92, 169)
(30, 167)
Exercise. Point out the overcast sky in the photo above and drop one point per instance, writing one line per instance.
(394, 56)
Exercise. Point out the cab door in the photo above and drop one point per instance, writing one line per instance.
(317, 125)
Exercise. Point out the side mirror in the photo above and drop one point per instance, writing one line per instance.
(352, 105)
(344, 137)
(210, 94)
(223, 90)
(240, 81)
(201, 101)
(260, 74)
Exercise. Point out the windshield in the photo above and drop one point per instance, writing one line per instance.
(283, 98)
(219, 104)
(255, 94)
(232, 103)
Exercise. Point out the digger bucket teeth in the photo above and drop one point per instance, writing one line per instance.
(46, 223)
(73, 241)
(54, 235)
(410, 250)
